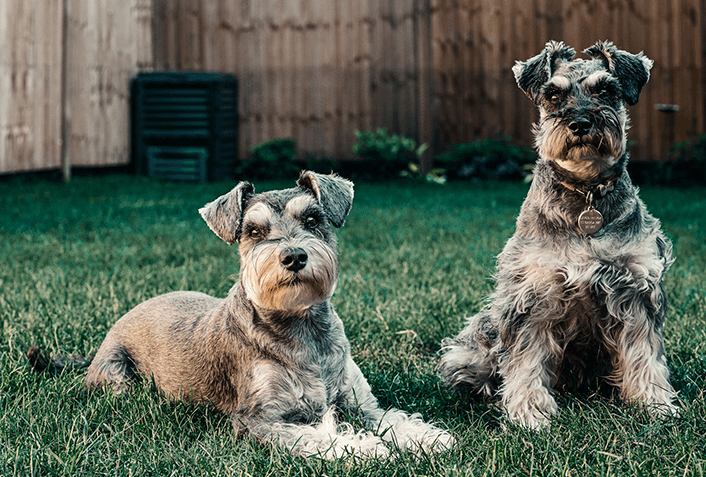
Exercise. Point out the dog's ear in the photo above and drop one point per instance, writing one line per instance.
(632, 71)
(334, 193)
(533, 73)
(224, 214)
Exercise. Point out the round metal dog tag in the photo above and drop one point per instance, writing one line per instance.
(590, 221)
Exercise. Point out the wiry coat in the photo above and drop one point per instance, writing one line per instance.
(273, 355)
(569, 306)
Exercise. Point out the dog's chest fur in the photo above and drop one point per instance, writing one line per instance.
(302, 359)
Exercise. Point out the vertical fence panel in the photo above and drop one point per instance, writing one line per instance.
(426, 105)
(101, 60)
(406, 68)
(442, 29)
(346, 90)
(30, 80)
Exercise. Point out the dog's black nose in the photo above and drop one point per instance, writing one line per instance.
(580, 126)
(294, 259)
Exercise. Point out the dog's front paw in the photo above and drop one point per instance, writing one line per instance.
(412, 433)
(438, 441)
(532, 413)
(663, 410)
(535, 420)
(363, 445)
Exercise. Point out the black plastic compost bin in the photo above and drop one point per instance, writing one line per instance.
(185, 125)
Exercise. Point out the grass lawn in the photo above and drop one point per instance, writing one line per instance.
(415, 259)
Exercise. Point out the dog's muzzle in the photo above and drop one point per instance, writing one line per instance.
(584, 140)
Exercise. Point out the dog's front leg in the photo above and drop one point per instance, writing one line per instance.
(403, 430)
(640, 368)
(327, 439)
(524, 368)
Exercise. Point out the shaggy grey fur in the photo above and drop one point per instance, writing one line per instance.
(273, 355)
(571, 306)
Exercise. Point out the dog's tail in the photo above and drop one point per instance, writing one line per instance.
(41, 361)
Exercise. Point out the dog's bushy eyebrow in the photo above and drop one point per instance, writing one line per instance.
(259, 214)
(560, 82)
(597, 77)
(301, 205)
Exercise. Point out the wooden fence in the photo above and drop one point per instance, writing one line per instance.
(316, 70)
(312, 70)
(436, 70)
(64, 70)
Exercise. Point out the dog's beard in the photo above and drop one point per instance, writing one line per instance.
(271, 286)
(586, 156)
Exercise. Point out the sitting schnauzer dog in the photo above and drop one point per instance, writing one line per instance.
(273, 355)
(579, 285)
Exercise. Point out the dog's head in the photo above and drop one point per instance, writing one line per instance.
(289, 254)
(582, 103)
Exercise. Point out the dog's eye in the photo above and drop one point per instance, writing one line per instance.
(555, 96)
(311, 221)
(602, 90)
(255, 233)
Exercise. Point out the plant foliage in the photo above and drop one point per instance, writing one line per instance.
(272, 159)
(487, 159)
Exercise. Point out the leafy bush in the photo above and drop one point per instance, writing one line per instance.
(394, 156)
(272, 159)
(380, 145)
(684, 166)
(688, 165)
(389, 154)
(487, 159)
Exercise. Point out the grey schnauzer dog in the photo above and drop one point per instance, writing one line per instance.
(273, 355)
(579, 292)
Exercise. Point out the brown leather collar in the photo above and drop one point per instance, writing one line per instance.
(599, 191)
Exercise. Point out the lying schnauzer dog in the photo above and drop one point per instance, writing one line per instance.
(579, 286)
(273, 354)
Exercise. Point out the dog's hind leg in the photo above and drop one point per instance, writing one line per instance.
(470, 359)
(112, 366)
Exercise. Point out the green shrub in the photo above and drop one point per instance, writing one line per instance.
(685, 165)
(272, 159)
(688, 164)
(693, 149)
(380, 145)
(389, 154)
(487, 159)
(394, 155)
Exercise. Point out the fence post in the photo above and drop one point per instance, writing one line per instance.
(65, 128)
(668, 111)
(424, 116)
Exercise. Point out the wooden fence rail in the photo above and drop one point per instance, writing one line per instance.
(316, 70)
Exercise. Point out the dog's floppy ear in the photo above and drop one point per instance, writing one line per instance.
(533, 73)
(334, 193)
(224, 214)
(632, 71)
